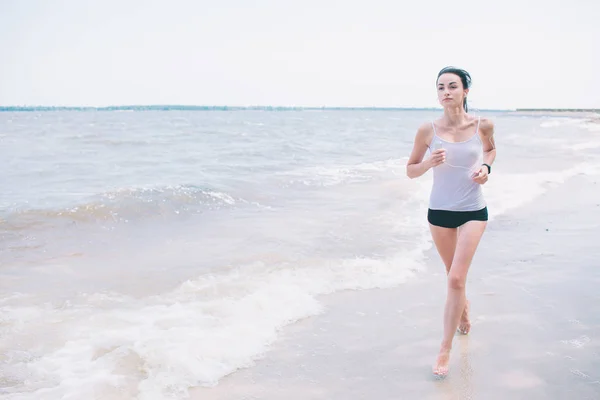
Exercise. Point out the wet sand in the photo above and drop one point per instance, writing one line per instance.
(535, 293)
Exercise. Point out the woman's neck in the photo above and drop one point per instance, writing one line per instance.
(455, 116)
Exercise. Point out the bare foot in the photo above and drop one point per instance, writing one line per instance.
(464, 326)
(441, 365)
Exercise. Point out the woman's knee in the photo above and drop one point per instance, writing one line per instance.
(456, 281)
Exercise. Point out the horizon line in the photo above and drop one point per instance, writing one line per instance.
(181, 107)
(142, 107)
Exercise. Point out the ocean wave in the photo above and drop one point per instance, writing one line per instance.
(587, 123)
(127, 204)
(592, 125)
(343, 174)
(559, 121)
(506, 191)
(157, 347)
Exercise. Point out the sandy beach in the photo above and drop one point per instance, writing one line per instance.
(535, 312)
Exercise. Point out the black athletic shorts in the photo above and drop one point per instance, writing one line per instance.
(454, 219)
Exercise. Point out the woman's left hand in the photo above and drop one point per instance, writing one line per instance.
(481, 176)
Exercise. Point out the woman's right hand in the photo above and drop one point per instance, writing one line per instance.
(437, 157)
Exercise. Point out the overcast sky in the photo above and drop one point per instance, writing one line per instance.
(525, 53)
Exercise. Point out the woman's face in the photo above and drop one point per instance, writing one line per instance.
(450, 90)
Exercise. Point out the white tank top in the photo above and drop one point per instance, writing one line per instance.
(453, 186)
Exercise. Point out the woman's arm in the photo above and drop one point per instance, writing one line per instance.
(486, 133)
(416, 166)
(486, 130)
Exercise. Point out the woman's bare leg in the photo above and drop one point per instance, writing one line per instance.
(445, 243)
(469, 236)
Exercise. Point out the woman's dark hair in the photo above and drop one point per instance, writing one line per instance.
(464, 77)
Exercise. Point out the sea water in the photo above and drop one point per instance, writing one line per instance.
(142, 253)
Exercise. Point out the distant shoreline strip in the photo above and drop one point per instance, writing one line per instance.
(266, 108)
(596, 110)
(213, 108)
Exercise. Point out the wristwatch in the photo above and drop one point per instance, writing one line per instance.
(489, 168)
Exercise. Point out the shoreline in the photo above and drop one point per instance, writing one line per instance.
(536, 325)
(590, 114)
(182, 107)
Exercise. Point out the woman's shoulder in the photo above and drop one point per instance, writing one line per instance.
(486, 126)
(425, 132)
(425, 128)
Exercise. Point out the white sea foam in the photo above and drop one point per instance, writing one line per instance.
(157, 347)
(555, 122)
(589, 124)
(505, 192)
(593, 144)
(343, 174)
(593, 126)
(222, 196)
